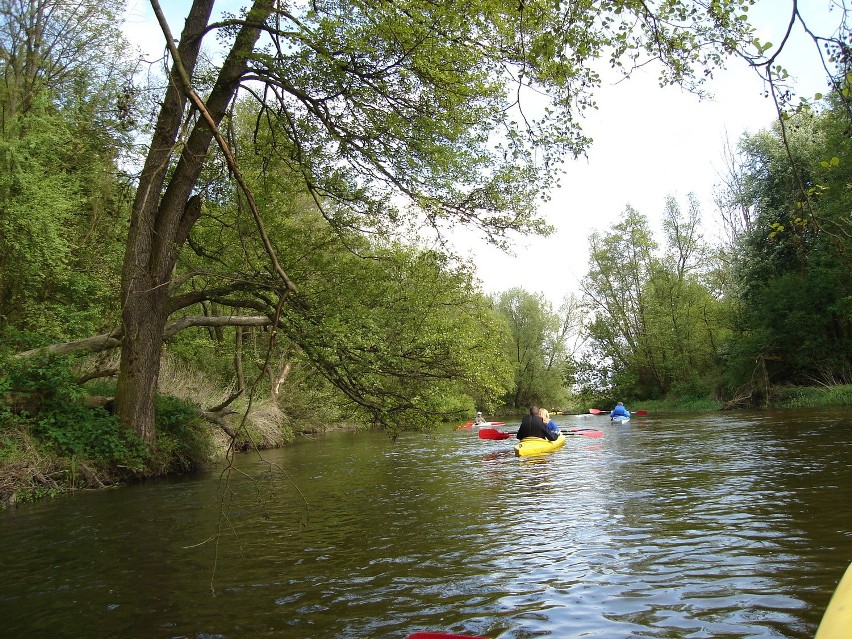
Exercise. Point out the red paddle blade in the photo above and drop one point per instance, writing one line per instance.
(595, 411)
(585, 432)
(640, 412)
(493, 433)
(441, 635)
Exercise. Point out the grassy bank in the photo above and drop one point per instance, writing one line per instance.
(838, 396)
(54, 440)
(671, 405)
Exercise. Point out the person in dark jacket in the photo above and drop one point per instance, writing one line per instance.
(533, 426)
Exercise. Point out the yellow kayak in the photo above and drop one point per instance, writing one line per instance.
(837, 621)
(538, 446)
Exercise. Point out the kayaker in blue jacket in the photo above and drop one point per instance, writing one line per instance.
(551, 425)
(619, 411)
(533, 426)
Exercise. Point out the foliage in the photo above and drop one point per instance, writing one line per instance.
(184, 443)
(839, 395)
(379, 331)
(57, 443)
(61, 421)
(389, 115)
(792, 285)
(674, 404)
(535, 344)
(655, 322)
(61, 211)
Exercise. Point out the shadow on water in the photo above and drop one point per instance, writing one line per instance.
(721, 525)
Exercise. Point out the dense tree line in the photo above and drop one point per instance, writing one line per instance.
(791, 258)
(771, 307)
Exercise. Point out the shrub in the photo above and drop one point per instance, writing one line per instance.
(184, 443)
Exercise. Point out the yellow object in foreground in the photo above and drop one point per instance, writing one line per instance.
(837, 621)
(538, 446)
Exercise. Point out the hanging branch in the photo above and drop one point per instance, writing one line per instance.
(765, 71)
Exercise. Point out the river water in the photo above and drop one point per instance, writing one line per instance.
(722, 525)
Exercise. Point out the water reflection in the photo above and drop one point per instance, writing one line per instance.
(719, 526)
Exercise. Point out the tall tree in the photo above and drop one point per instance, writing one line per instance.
(536, 347)
(654, 316)
(792, 268)
(621, 264)
(64, 108)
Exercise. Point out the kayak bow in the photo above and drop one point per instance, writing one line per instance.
(493, 433)
(837, 620)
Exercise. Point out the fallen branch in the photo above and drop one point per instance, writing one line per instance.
(103, 372)
(110, 340)
(95, 344)
(220, 407)
(218, 421)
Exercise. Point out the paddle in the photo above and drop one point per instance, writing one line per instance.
(497, 435)
(585, 432)
(598, 411)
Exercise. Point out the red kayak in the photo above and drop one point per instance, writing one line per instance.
(441, 635)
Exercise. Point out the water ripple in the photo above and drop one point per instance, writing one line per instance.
(721, 526)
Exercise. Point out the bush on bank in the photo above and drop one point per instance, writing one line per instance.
(814, 396)
(52, 442)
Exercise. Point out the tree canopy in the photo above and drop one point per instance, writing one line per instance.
(793, 258)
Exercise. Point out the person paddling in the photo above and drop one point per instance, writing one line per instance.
(533, 426)
(551, 425)
(619, 411)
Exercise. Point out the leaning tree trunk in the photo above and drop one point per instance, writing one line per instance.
(164, 212)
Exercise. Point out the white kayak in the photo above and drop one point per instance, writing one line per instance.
(619, 419)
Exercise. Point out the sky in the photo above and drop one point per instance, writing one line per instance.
(649, 143)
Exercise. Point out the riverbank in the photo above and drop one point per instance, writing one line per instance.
(780, 397)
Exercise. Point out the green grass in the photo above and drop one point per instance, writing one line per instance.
(813, 396)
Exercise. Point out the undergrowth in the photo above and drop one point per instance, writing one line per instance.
(51, 442)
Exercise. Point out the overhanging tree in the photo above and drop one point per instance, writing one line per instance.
(374, 101)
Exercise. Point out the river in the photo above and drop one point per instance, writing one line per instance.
(722, 525)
